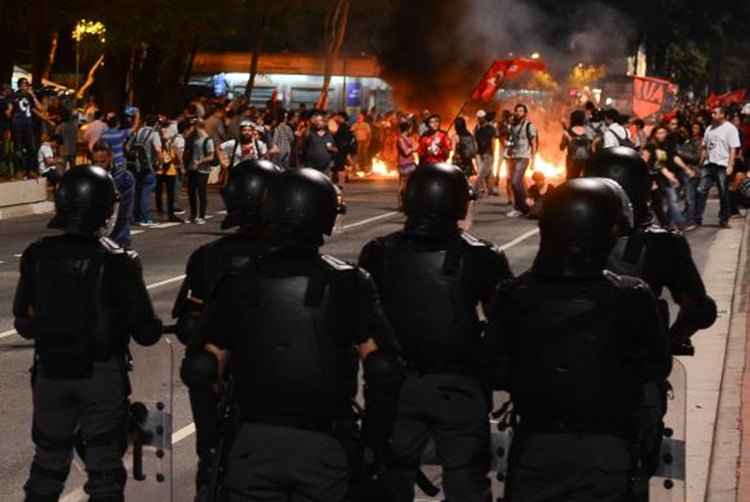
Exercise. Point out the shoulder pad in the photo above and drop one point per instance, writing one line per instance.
(624, 281)
(110, 246)
(336, 264)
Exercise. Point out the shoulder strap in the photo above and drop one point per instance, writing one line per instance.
(234, 153)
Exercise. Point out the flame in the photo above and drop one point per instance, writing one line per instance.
(379, 169)
(550, 170)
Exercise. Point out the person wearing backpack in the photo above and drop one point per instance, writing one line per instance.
(614, 133)
(201, 156)
(578, 141)
(144, 155)
(522, 145)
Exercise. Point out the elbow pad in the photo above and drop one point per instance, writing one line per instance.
(199, 369)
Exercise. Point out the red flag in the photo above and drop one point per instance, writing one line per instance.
(494, 77)
(734, 97)
(501, 70)
(713, 100)
(274, 95)
(649, 95)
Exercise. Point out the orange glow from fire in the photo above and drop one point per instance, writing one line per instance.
(379, 169)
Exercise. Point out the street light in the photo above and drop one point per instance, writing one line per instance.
(535, 56)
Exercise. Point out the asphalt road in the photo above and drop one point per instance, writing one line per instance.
(164, 252)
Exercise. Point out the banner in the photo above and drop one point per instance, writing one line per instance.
(649, 95)
(501, 70)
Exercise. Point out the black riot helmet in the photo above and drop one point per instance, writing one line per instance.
(436, 196)
(85, 202)
(301, 207)
(244, 192)
(630, 171)
(580, 224)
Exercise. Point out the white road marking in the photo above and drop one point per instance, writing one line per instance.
(136, 232)
(155, 285)
(17, 255)
(370, 220)
(519, 239)
(167, 225)
(222, 212)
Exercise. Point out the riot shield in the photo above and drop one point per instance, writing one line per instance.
(149, 456)
(669, 484)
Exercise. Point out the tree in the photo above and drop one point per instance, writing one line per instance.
(335, 30)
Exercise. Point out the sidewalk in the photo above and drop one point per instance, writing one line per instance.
(715, 378)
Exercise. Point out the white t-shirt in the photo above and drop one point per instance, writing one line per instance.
(719, 141)
(614, 134)
(250, 151)
(45, 153)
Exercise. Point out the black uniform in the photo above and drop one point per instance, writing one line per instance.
(206, 267)
(81, 299)
(575, 344)
(431, 285)
(290, 322)
(659, 257)
(575, 355)
(662, 258)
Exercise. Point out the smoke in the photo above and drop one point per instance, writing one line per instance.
(439, 50)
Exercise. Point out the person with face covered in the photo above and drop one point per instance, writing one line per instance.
(574, 344)
(81, 298)
(434, 145)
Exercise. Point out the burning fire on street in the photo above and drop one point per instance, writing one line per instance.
(378, 170)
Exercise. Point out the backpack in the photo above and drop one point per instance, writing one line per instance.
(139, 156)
(215, 159)
(580, 146)
(623, 141)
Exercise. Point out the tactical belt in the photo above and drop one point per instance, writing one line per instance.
(563, 427)
(322, 425)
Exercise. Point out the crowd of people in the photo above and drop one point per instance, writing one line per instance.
(153, 157)
(688, 151)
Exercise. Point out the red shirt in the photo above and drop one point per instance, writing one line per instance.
(434, 148)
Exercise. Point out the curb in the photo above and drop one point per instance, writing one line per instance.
(26, 210)
(724, 476)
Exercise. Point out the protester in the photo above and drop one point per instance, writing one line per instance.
(201, 151)
(48, 160)
(656, 155)
(101, 156)
(346, 146)
(94, 130)
(407, 150)
(465, 152)
(434, 145)
(248, 147)
(363, 133)
(25, 106)
(283, 140)
(578, 141)
(720, 142)
(319, 147)
(523, 145)
(172, 165)
(536, 194)
(485, 135)
(68, 131)
(614, 133)
(146, 148)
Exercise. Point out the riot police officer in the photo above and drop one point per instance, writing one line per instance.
(431, 277)
(243, 194)
(574, 344)
(291, 322)
(81, 298)
(660, 257)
